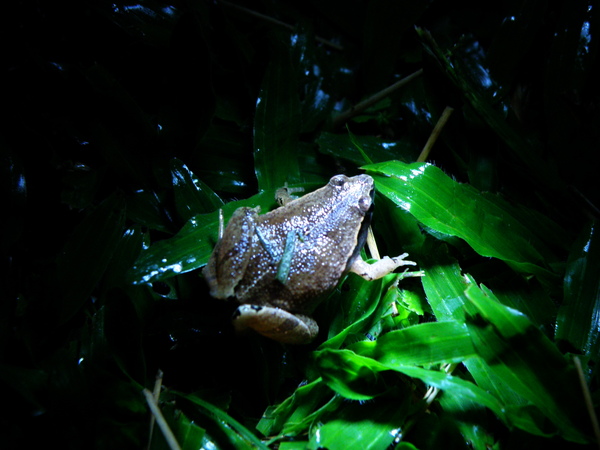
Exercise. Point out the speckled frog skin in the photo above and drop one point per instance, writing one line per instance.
(279, 265)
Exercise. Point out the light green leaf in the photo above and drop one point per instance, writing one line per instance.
(369, 426)
(423, 344)
(488, 224)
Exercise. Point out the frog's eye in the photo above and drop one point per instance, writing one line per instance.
(338, 180)
(364, 203)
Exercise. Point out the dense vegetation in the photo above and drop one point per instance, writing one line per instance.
(128, 126)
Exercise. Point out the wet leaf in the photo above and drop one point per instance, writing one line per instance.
(192, 196)
(579, 314)
(488, 224)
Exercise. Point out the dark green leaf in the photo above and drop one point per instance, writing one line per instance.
(378, 149)
(187, 250)
(235, 431)
(192, 196)
(226, 162)
(146, 208)
(87, 254)
(277, 123)
(350, 375)
(350, 311)
(577, 321)
(526, 148)
(299, 411)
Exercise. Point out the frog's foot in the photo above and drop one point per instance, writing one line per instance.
(380, 268)
(276, 323)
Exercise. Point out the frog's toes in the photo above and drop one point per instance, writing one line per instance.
(400, 261)
(276, 323)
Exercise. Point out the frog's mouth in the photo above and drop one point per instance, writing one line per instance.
(361, 238)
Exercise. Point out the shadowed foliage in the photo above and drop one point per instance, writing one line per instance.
(129, 126)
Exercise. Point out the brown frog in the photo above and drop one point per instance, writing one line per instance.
(279, 265)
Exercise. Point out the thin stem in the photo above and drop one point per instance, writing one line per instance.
(588, 399)
(277, 22)
(361, 106)
(155, 394)
(435, 134)
(160, 420)
(372, 245)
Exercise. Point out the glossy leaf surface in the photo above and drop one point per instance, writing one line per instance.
(131, 125)
(491, 226)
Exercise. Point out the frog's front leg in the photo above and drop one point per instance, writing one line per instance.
(380, 268)
(276, 323)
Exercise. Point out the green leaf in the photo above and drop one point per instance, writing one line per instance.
(88, 252)
(519, 411)
(235, 431)
(153, 23)
(378, 149)
(27, 383)
(488, 224)
(528, 362)
(277, 122)
(367, 426)
(577, 321)
(423, 344)
(223, 159)
(525, 148)
(124, 257)
(464, 390)
(350, 311)
(189, 434)
(520, 365)
(306, 405)
(192, 196)
(145, 208)
(187, 250)
(445, 288)
(350, 375)
(311, 62)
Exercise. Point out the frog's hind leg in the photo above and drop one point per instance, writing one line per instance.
(276, 323)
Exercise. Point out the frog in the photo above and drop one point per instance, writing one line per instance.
(280, 265)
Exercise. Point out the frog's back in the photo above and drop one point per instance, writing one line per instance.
(326, 239)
